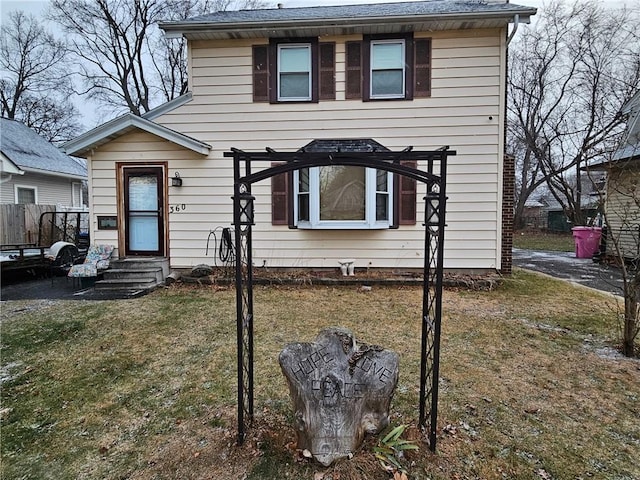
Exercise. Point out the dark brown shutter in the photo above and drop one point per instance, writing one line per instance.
(406, 196)
(327, 71)
(260, 73)
(279, 198)
(422, 67)
(354, 70)
(409, 67)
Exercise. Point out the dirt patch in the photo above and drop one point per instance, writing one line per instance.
(486, 282)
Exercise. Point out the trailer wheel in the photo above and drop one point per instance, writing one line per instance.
(65, 259)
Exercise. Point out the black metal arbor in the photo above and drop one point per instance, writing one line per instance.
(434, 222)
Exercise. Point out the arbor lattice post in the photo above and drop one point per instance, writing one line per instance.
(435, 201)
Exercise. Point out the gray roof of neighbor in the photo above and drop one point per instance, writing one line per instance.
(28, 150)
(631, 147)
(432, 7)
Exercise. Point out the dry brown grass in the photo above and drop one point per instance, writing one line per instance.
(145, 389)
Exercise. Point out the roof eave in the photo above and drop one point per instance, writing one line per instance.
(9, 167)
(173, 29)
(51, 173)
(113, 129)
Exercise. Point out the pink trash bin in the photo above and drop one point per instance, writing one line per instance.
(587, 240)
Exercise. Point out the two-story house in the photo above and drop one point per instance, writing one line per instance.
(382, 76)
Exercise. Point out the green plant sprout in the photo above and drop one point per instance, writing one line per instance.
(390, 450)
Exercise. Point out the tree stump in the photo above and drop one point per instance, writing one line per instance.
(340, 390)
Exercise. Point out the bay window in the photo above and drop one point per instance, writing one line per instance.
(338, 196)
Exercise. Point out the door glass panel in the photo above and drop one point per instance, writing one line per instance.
(143, 232)
(143, 213)
(143, 193)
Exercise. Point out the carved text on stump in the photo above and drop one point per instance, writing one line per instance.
(340, 391)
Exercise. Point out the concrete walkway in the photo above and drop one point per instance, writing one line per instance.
(566, 266)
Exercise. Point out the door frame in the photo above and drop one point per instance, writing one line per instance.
(164, 201)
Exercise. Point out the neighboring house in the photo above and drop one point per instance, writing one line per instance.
(556, 218)
(388, 76)
(535, 215)
(622, 194)
(36, 172)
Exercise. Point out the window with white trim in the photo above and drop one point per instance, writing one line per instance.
(294, 72)
(387, 69)
(342, 197)
(77, 194)
(26, 195)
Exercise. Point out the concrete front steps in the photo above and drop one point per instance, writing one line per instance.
(134, 276)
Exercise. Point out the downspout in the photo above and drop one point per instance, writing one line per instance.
(507, 216)
(6, 179)
(516, 22)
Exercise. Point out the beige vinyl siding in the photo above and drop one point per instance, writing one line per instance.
(51, 190)
(623, 212)
(139, 148)
(466, 91)
(464, 112)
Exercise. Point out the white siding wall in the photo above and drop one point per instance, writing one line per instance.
(464, 112)
(51, 190)
(623, 211)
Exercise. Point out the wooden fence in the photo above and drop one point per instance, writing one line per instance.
(19, 223)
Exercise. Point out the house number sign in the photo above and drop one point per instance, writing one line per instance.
(180, 207)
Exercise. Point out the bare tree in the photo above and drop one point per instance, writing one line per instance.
(170, 55)
(622, 220)
(35, 81)
(123, 59)
(569, 76)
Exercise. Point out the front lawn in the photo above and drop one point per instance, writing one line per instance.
(530, 385)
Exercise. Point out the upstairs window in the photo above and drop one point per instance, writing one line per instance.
(380, 67)
(387, 69)
(294, 72)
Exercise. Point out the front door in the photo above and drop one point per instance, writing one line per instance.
(143, 202)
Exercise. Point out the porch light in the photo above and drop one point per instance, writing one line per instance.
(176, 181)
(246, 207)
(432, 213)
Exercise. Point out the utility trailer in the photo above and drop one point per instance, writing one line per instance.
(63, 240)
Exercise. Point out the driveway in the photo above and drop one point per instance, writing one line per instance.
(24, 286)
(566, 266)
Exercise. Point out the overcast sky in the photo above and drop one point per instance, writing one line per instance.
(37, 7)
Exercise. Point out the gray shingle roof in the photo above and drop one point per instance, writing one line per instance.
(28, 150)
(379, 18)
(432, 7)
